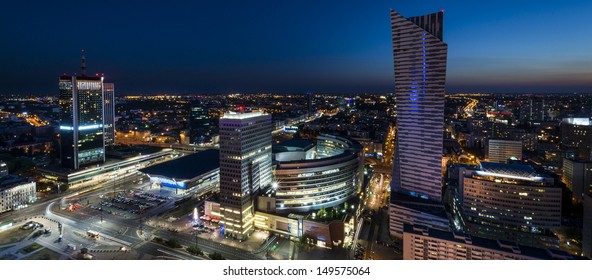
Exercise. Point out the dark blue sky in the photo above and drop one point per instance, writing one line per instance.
(290, 46)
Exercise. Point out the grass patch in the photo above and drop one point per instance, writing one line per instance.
(13, 235)
(30, 248)
(45, 254)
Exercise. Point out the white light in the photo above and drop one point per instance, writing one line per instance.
(483, 173)
(87, 127)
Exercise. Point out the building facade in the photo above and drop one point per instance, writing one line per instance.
(420, 75)
(109, 113)
(331, 177)
(16, 195)
(199, 123)
(245, 168)
(577, 176)
(405, 209)
(510, 202)
(81, 121)
(501, 151)
(576, 137)
(421, 243)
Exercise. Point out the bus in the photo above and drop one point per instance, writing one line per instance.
(92, 234)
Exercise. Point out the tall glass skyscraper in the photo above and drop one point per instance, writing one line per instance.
(245, 168)
(420, 76)
(109, 113)
(81, 121)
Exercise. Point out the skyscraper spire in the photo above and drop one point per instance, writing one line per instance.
(83, 64)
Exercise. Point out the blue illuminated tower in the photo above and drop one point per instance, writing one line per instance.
(420, 76)
(81, 120)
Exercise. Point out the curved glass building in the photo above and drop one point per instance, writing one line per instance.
(310, 177)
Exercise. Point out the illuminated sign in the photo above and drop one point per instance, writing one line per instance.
(168, 182)
(290, 129)
(89, 85)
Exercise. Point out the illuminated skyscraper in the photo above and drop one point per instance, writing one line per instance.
(420, 76)
(245, 168)
(199, 122)
(109, 113)
(81, 119)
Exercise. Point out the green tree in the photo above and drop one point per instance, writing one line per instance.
(194, 250)
(216, 256)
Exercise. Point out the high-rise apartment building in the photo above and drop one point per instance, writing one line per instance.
(245, 168)
(420, 76)
(109, 113)
(501, 151)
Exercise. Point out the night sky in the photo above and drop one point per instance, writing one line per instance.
(331, 46)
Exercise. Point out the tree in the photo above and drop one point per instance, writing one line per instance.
(194, 250)
(173, 243)
(216, 256)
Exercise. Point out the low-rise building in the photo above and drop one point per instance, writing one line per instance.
(16, 193)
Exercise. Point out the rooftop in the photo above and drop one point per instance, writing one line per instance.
(242, 115)
(512, 171)
(299, 144)
(419, 204)
(187, 167)
(10, 180)
(578, 121)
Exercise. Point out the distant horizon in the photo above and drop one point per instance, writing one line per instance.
(5, 95)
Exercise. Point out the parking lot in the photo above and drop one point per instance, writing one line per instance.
(137, 204)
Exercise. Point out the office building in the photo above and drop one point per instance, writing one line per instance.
(501, 151)
(587, 230)
(421, 243)
(310, 177)
(577, 176)
(199, 123)
(81, 120)
(245, 168)
(576, 137)
(16, 193)
(510, 202)
(109, 113)
(420, 76)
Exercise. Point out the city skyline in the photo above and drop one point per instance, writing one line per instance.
(327, 48)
